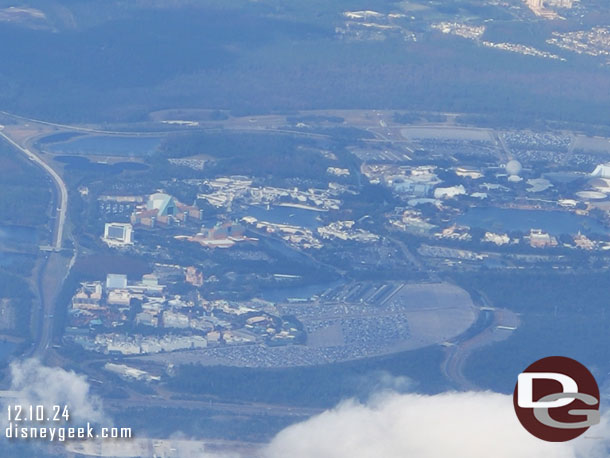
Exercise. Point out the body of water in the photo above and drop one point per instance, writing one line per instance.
(510, 219)
(60, 137)
(563, 177)
(106, 146)
(6, 259)
(6, 350)
(83, 163)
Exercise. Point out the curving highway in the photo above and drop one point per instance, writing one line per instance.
(62, 207)
(54, 262)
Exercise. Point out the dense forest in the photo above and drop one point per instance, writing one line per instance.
(26, 192)
(264, 57)
(561, 314)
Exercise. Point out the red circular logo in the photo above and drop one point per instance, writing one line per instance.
(556, 399)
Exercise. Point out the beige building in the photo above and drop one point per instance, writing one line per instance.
(540, 239)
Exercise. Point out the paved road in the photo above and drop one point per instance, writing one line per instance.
(486, 332)
(54, 262)
(246, 408)
(62, 208)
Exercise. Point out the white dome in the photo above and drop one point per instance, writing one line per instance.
(513, 167)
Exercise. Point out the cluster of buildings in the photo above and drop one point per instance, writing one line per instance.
(522, 49)
(368, 25)
(601, 171)
(455, 232)
(163, 209)
(223, 235)
(421, 184)
(296, 236)
(225, 191)
(539, 239)
(338, 171)
(476, 32)
(417, 181)
(594, 42)
(472, 32)
(306, 238)
(111, 317)
(597, 188)
(496, 239)
(115, 205)
(436, 201)
(136, 344)
(411, 221)
(130, 373)
(543, 9)
(109, 304)
(118, 234)
(158, 209)
(536, 238)
(345, 230)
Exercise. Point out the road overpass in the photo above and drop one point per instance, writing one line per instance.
(53, 260)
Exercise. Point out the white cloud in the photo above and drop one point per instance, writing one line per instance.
(378, 382)
(389, 425)
(36, 384)
(449, 425)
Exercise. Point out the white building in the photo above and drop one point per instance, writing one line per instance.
(147, 318)
(448, 193)
(560, 3)
(175, 320)
(602, 171)
(119, 297)
(498, 239)
(118, 234)
(116, 281)
(88, 297)
(540, 239)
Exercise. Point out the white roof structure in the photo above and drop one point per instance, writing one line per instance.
(447, 193)
(602, 171)
(513, 167)
(116, 281)
(162, 202)
(118, 234)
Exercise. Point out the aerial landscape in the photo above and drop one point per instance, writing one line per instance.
(230, 226)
